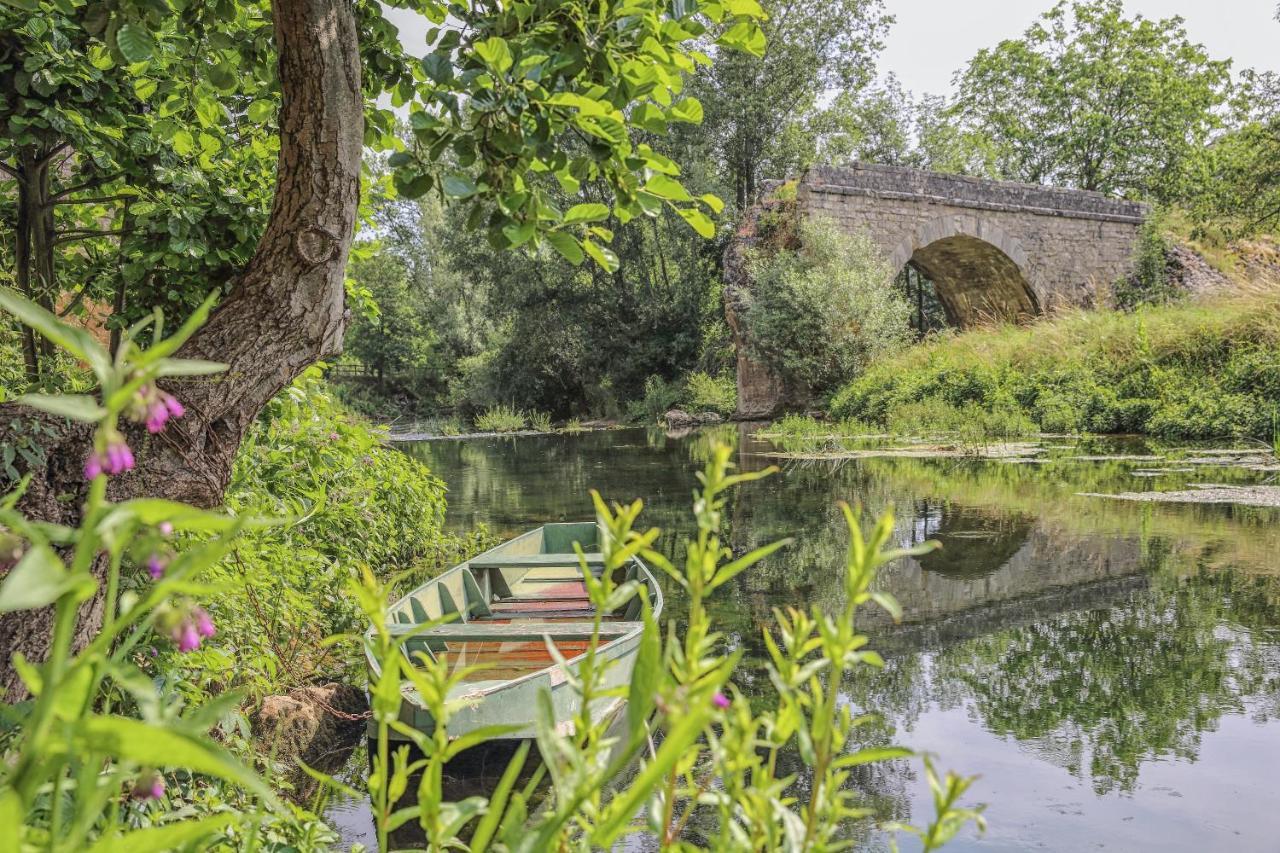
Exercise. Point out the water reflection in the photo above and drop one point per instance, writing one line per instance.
(1112, 669)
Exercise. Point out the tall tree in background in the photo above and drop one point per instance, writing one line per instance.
(1091, 99)
(756, 107)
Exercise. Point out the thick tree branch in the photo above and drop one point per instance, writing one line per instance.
(101, 199)
(90, 184)
(72, 234)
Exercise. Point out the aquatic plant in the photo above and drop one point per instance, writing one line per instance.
(500, 419)
(540, 421)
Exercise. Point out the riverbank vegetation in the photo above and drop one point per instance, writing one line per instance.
(1207, 368)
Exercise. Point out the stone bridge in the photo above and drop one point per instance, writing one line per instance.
(995, 250)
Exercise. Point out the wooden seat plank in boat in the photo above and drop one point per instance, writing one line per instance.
(595, 559)
(523, 630)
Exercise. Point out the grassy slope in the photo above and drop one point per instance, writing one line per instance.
(1201, 369)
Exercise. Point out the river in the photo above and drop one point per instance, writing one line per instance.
(1110, 669)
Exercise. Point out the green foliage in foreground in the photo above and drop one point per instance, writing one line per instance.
(718, 756)
(1205, 369)
(91, 761)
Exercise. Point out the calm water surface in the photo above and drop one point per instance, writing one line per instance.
(1110, 669)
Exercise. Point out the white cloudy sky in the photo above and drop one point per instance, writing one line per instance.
(934, 38)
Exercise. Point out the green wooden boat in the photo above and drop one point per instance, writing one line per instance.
(509, 601)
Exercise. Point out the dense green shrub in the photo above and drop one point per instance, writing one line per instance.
(821, 313)
(349, 502)
(1207, 369)
(660, 396)
(706, 393)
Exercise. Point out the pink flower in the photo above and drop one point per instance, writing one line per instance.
(115, 459)
(720, 700)
(119, 457)
(93, 466)
(165, 528)
(187, 637)
(155, 407)
(333, 436)
(155, 566)
(149, 786)
(204, 624)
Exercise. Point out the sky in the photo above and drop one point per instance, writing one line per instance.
(934, 38)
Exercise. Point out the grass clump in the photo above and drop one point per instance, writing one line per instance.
(500, 419)
(540, 421)
(1192, 370)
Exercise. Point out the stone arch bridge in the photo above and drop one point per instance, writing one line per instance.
(995, 250)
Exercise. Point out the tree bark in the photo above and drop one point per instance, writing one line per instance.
(283, 313)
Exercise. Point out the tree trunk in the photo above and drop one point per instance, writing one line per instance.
(285, 311)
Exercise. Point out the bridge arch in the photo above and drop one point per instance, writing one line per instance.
(980, 272)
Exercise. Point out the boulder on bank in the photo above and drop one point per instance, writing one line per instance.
(680, 419)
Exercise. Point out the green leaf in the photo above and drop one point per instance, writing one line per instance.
(498, 801)
(713, 202)
(699, 220)
(438, 66)
(261, 111)
(158, 746)
(602, 256)
(665, 186)
(12, 819)
(744, 8)
(567, 245)
(689, 110)
(184, 143)
(189, 367)
(591, 212)
(459, 186)
(495, 53)
(78, 407)
(135, 42)
(744, 36)
(169, 836)
(76, 341)
(520, 233)
(144, 88)
(37, 580)
(646, 674)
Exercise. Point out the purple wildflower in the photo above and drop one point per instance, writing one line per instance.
(720, 700)
(187, 637)
(156, 566)
(204, 624)
(155, 407)
(149, 786)
(93, 466)
(119, 457)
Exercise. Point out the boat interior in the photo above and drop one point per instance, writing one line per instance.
(509, 601)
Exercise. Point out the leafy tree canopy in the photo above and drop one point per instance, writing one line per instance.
(1089, 98)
